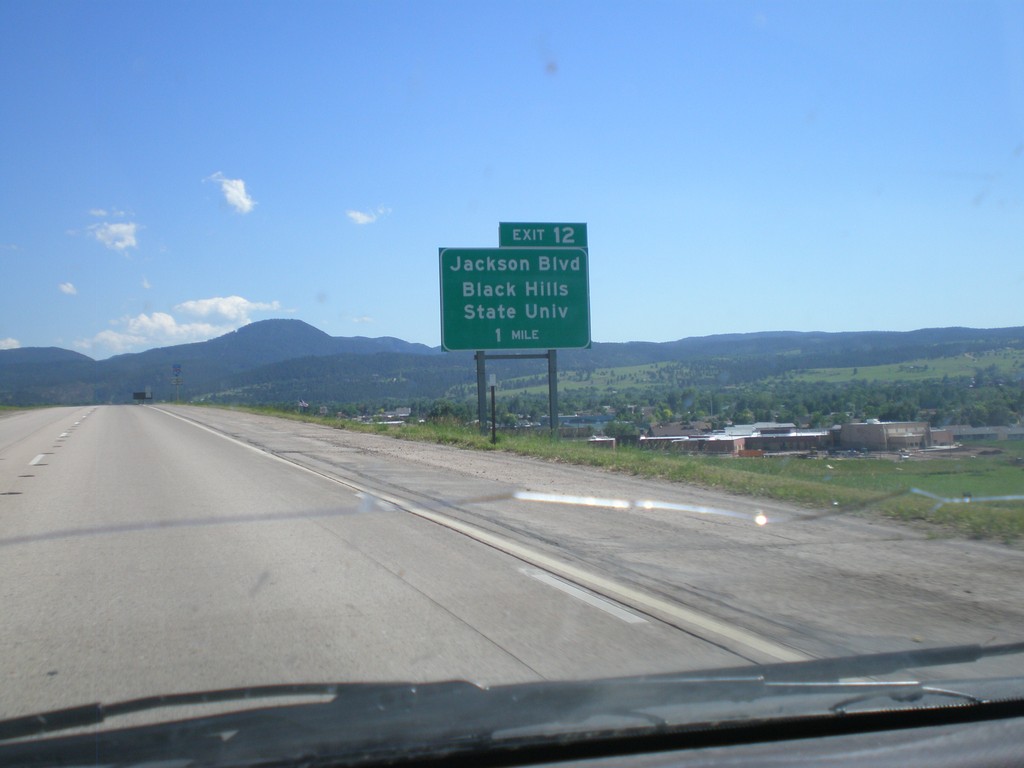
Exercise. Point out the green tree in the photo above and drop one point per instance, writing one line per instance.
(446, 410)
(623, 431)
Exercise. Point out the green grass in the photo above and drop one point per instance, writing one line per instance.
(864, 486)
(884, 487)
(14, 408)
(600, 380)
(1008, 362)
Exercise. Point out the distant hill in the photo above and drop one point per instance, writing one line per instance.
(274, 361)
(264, 342)
(41, 356)
(801, 349)
(34, 376)
(350, 378)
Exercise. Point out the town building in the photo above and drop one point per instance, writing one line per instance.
(875, 435)
(965, 432)
(743, 439)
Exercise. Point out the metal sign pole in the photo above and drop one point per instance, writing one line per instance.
(553, 390)
(481, 390)
(481, 384)
(494, 417)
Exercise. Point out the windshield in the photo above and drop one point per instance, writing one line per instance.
(498, 344)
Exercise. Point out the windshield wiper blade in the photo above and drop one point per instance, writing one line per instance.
(868, 665)
(94, 714)
(836, 675)
(910, 692)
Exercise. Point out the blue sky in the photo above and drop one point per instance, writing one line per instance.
(171, 171)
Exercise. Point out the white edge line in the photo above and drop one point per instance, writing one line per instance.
(250, 446)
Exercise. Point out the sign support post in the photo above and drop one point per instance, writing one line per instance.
(482, 357)
(553, 391)
(492, 383)
(481, 390)
(176, 378)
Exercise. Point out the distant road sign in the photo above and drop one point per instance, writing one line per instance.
(541, 235)
(515, 298)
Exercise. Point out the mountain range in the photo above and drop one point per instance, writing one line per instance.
(277, 361)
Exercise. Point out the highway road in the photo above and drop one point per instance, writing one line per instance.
(143, 554)
(162, 549)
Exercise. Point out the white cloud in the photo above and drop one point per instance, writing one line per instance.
(103, 213)
(154, 330)
(68, 288)
(9, 343)
(218, 315)
(146, 284)
(117, 237)
(233, 308)
(234, 192)
(368, 217)
(362, 319)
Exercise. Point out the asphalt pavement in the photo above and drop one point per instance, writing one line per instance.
(142, 553)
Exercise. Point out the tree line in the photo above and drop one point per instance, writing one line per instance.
(988, 399)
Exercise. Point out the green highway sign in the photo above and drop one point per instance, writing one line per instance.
(534, 235)
(515, 298)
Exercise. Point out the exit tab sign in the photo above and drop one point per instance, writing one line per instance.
(541, 235)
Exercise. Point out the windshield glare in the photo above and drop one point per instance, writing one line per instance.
(355, 344)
